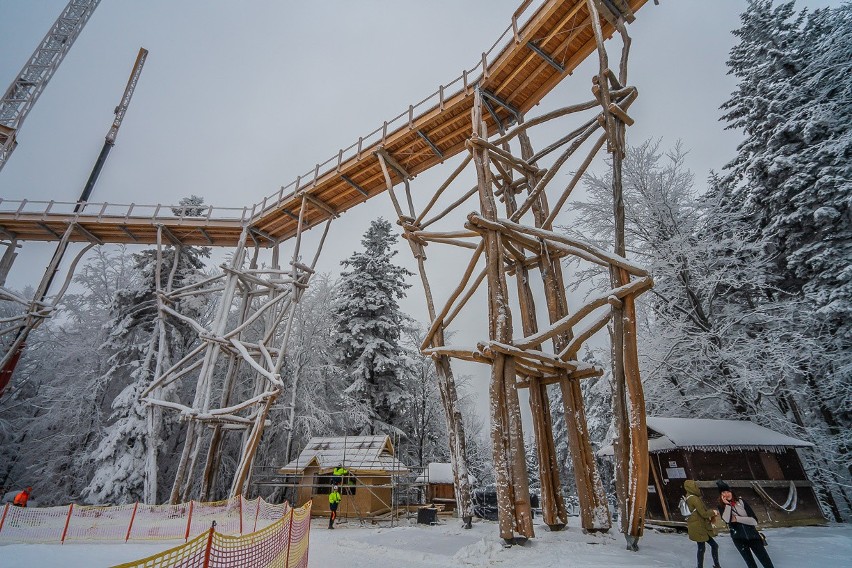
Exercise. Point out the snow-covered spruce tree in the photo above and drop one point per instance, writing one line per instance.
(369, 326)
(713, 344)
(792, 174)
(60, 410)
(120, 458)
(792, 178)
(701, 284)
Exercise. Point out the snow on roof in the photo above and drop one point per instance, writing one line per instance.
(438, 472)
(355, 453)
(712, 435)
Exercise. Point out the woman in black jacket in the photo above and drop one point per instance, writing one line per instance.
(743, 524)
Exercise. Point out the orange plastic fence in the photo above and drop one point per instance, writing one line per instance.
(283, 544)
(136, 521)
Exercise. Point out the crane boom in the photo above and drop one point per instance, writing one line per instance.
(34, 76)
(10, 361)
(120, 110)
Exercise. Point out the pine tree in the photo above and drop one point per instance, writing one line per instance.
(369, 328)
(718, 337)
(792, 179)
(58, 413)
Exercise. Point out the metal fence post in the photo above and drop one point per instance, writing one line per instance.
(240, 497)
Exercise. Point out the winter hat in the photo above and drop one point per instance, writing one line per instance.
(722, 486)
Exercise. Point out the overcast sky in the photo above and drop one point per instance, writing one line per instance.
(238, 98)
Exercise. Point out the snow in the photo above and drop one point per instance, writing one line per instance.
(710, 434)
(358, 453)
(448, 545)
(78, 555)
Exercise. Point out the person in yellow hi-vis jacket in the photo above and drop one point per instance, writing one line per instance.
(333, 502)
(338, 474)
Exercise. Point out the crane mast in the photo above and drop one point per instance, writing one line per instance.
(10, 360)
(34, 76)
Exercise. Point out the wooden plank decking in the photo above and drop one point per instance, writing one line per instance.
(547, 48)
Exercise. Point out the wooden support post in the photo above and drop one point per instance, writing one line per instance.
(8, 259)
(67, 522)
(594, 513)
(553, 508)
(247, 458)
(630, 443)
(513, 501)
(132, 518)
(5, 512)
(189, 522)
(446, 380)
(204, 385)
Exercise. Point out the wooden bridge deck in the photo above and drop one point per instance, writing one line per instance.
(533, 58)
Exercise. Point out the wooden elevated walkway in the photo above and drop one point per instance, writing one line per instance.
(536, 52)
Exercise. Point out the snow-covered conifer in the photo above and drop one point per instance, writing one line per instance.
(369, 326)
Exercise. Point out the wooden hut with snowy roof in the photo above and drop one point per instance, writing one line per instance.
(759, 464)
(367, 489)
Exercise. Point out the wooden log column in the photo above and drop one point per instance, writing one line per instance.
(553, 510)
(594, 512)
(513, 500)
(631, 440)
(443, 368)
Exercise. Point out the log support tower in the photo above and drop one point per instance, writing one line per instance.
(510, 237)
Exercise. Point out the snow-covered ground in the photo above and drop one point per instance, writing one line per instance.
(448, 545)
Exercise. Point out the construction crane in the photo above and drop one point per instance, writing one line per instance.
(113, 131)
(27, 324)
(42, 64)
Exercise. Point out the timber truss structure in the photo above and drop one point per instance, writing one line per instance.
(508, 239)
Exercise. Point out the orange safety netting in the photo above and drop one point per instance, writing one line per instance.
(137, 521)
(283, 544)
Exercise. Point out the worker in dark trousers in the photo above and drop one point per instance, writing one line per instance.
(333, 503)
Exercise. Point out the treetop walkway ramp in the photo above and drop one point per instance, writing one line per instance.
(540, 47)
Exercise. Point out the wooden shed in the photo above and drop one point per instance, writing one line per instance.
(759, 464)
(368, 488)
(439, 485)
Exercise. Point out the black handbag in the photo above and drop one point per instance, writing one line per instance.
(740, 531)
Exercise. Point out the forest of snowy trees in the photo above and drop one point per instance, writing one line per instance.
(750, 317)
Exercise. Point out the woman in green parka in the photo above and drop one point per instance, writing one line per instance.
(700, 523)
